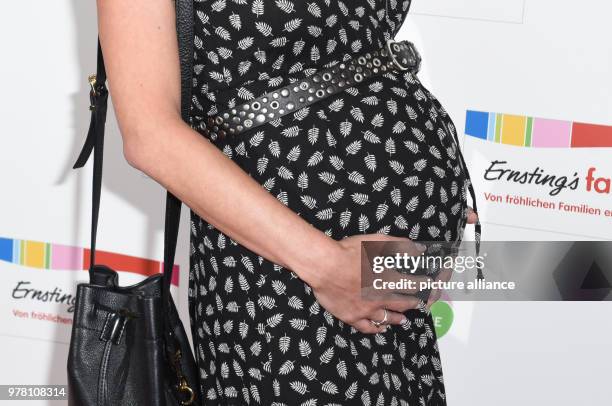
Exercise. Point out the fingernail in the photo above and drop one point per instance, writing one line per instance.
(404, 320)
(420, 247)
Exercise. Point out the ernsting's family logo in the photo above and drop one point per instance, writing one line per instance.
(599, 185)
(23, 290)
(500, 170)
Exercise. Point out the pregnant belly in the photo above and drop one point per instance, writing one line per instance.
(376, 158)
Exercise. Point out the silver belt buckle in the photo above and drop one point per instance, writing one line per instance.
(404, 62)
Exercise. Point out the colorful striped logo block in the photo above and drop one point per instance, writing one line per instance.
(44, 255)
(524, 131)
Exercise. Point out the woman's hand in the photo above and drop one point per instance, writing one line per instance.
(337, 285)
(472, 217)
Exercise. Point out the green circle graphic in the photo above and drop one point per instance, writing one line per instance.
(442, 314)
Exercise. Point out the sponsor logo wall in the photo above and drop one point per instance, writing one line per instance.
(39, 284)
(527, 84)
(556, 173)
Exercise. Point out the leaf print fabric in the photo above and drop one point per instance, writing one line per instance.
(378, 157)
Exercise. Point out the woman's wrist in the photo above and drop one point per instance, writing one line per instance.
(314, 261)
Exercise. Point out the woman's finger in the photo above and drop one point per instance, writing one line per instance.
(395, 318)
(367, 327)
(391, 318)
(401, 303)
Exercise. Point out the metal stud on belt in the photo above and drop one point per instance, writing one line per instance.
(395, 55)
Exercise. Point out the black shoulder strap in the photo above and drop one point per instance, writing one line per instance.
(95, 137)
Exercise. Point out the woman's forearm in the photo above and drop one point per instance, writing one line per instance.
(219, 191)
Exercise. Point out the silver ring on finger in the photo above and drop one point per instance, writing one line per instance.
(383, 321)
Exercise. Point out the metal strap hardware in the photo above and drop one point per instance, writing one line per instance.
(395, 55)
(406, 53)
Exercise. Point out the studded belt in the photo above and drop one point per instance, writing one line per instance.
(395, 55)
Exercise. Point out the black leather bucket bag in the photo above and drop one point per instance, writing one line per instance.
(128, 345)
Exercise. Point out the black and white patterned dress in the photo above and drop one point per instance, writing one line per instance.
(378, 157)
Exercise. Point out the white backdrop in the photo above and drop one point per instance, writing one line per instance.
(526, 58)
